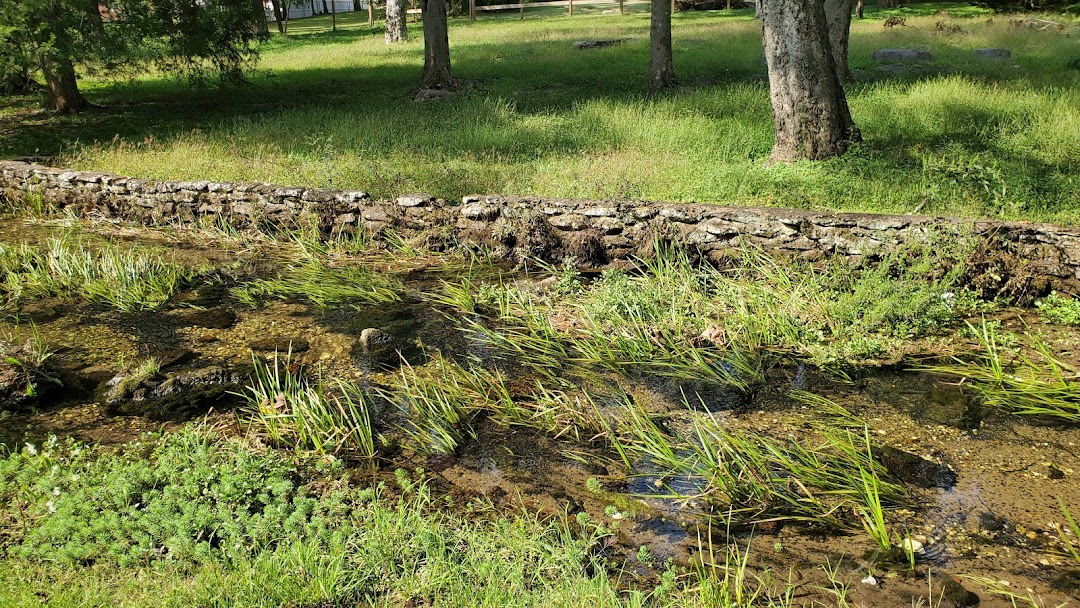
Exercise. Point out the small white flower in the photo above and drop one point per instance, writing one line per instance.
(50, 506)
(31, 450)
(56, 491)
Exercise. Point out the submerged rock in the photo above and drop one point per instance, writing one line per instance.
(915, 470)
(281, 345)
(175, 396)
(372, 338)
(22, 382)
(1068, 581)
(954, 595)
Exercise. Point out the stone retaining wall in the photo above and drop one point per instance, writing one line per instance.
(1019, 260)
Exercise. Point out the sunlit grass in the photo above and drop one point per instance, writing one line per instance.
(292, 410)
(986, 139)
(124, 278)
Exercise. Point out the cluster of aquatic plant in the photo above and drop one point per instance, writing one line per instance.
(1072, 526)
(684, 320)
(295, 411)
(323, 285)
(435, 405)
(751, 477)
(122, 277)
(27, 352)
(1030, 382)
(323, 274)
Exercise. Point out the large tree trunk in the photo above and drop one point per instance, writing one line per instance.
(436, 46)
(838, 15)
(261, 28)
(810, 111)
(61, 87)
(661, 70)
(395, 22)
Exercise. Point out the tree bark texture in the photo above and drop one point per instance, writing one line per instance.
(61, 86)
(261, 28)
(436, 46)
(395, 22)
(280, 15)
(661, 69)
(810, 111)
(838, 15)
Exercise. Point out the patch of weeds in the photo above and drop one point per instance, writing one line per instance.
(912, 292)
(23, 367)
(438, 405)
(186, 498)
(121, 277)
(1039, 385)
(323, 285)
(1060, 309)
(28, 204)
(294, 411)
(441, 398)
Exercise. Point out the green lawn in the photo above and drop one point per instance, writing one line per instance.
(334, 109)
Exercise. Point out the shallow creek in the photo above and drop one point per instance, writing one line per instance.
(988, 485)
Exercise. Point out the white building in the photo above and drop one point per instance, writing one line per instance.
(306, 8)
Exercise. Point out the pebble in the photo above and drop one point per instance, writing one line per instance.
(913, 546)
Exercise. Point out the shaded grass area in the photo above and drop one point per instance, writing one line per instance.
(958, 137)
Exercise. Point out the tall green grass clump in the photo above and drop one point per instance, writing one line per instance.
(1037, 384)
(679, 319)
(323, 285)
(124, 278)
(292, 410)
(752, 477)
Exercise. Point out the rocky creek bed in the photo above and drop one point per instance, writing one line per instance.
(987, 487)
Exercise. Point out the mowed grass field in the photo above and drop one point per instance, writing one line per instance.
(956, 136)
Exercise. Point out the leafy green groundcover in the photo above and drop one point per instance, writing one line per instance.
(197, 519)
